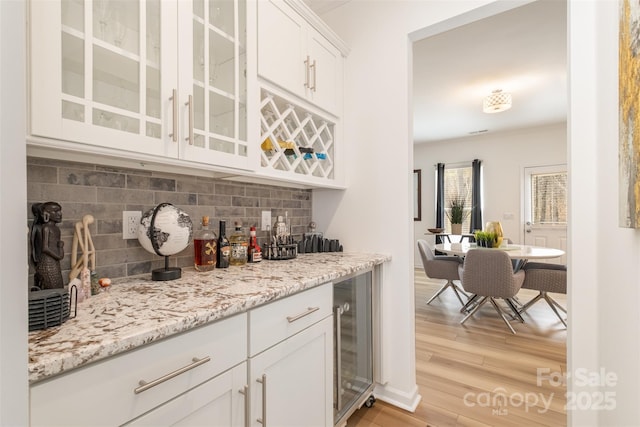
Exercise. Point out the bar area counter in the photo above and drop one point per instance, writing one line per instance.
(136, 310)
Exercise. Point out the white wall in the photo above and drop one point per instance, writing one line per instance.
(375, 213)
(13, 229)
(503, 155)
(604, 282)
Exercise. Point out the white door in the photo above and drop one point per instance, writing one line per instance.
(291, 383)
(545, 208)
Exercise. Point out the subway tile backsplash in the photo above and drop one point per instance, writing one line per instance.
(105, 192)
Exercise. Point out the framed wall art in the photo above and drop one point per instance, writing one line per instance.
(629, 115)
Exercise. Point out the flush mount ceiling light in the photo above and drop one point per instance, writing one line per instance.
(497, 102)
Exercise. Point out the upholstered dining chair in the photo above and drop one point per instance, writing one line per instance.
(488, 275)
(545, 277)
(441, 267)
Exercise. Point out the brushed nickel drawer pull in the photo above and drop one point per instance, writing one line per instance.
(263, 381)
(189, 103)
(315, 74)
(174, 104)
(306, 72)
(310, 310)
(147, 385)
(247, 412)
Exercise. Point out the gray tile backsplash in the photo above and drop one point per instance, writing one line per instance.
(105, 192)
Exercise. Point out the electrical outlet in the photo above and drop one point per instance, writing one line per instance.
(266, 221)
(130, 222)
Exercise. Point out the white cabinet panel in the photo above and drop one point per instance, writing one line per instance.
(104, 390)
(216, 403)
(282, 46)
(278, 320)
(295, 56)
(291, 383)
(160, 78)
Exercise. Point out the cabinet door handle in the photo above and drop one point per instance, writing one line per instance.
(310, 310)
(337, 310)
(147, 385)
(174, 104)
(189, 103)
(263, 381)
(315, 72)
(306, 72)
(247, 414)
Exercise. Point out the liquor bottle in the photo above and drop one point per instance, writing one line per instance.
(239, 246)
(204, 247)
(224, 249)
(255, 253)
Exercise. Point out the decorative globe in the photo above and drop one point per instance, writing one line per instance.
(165, 230)
(171, 233)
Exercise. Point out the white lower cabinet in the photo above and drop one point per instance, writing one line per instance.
(220, 402)
(291, 361)
(291, 382)
(272, 366)
(109, 393)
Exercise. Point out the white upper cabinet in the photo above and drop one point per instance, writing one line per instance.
(213, 81)
(158, 78)
(297, 57)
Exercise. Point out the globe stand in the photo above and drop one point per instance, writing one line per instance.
(166, 273)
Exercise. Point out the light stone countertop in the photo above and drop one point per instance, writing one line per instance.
(136, 310)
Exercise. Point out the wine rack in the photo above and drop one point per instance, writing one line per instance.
(295, 140)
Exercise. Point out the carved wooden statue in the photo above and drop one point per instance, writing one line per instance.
(46, 247)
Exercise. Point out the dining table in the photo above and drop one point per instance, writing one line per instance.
(519, 255)
(522, 252)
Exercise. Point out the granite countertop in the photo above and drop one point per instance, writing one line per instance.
(136, 310)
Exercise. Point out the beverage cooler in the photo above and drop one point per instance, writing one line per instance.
(353, 346)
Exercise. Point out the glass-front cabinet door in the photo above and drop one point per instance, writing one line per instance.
(213, 80)
(157, 77)
(102, 73)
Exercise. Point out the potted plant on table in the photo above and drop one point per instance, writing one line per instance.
(457, 214)
(485, 239)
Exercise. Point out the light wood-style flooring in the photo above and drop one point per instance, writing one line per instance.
(479, 374)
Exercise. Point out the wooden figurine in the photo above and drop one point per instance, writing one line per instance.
(84, 265)
(47, 249)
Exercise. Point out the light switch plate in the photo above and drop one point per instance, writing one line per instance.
(266, 221)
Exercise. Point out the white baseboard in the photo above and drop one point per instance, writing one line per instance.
(405, 400)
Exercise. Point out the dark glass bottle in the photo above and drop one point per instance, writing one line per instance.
(224, 248)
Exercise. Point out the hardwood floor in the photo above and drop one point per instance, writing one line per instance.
(479, 374)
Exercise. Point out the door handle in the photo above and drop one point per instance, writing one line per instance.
(189, 104)
(315, 72)
(247, 412)
(306, 72)
(263, 381)
(174, 104)
(338, 310)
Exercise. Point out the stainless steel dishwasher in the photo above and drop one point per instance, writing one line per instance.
(353, 345)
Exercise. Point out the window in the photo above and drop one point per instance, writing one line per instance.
(549, 198)
(457, 186)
